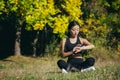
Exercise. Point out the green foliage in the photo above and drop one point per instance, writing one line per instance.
(116, 4)
(104, 2)
(2, 5)
(101, 21)
(113, 20)
(95, 28)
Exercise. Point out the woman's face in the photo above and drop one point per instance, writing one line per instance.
(74, 31)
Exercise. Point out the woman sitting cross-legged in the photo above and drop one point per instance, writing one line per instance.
(72, 47)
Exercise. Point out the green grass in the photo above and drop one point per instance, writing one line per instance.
(27, 68)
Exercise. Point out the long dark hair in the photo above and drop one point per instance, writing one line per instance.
(71, 25)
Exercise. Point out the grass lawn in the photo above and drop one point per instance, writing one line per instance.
(28, 68)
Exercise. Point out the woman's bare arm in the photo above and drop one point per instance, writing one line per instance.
(65, 54)
(86, 44)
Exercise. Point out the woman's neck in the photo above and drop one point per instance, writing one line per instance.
(72, 37)
(73, 40)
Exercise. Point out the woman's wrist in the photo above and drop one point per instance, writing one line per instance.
(83, 47)
(73, 52)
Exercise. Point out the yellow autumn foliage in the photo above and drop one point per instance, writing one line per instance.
(72, 7)
(39, 16)
(46, 12)
(39, 26)
(60, 25)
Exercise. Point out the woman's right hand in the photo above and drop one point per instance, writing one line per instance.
(76, 49)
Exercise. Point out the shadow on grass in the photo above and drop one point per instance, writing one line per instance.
(5, 60)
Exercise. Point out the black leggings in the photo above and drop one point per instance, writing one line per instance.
(77, 63)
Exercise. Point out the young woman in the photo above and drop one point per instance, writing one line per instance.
(71, 47)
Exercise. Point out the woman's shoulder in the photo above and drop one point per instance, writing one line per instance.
(64, 40)
(82, 39)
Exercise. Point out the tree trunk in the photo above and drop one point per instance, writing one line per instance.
(43, 42)
(17, 42)
(35, 44)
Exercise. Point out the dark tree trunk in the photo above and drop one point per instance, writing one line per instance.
(43, 41)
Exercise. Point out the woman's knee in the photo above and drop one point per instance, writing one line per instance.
(90, 61)
(61, 64)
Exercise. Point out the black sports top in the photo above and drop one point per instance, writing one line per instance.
(69, 46)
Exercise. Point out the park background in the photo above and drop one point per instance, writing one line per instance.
(31, 31)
